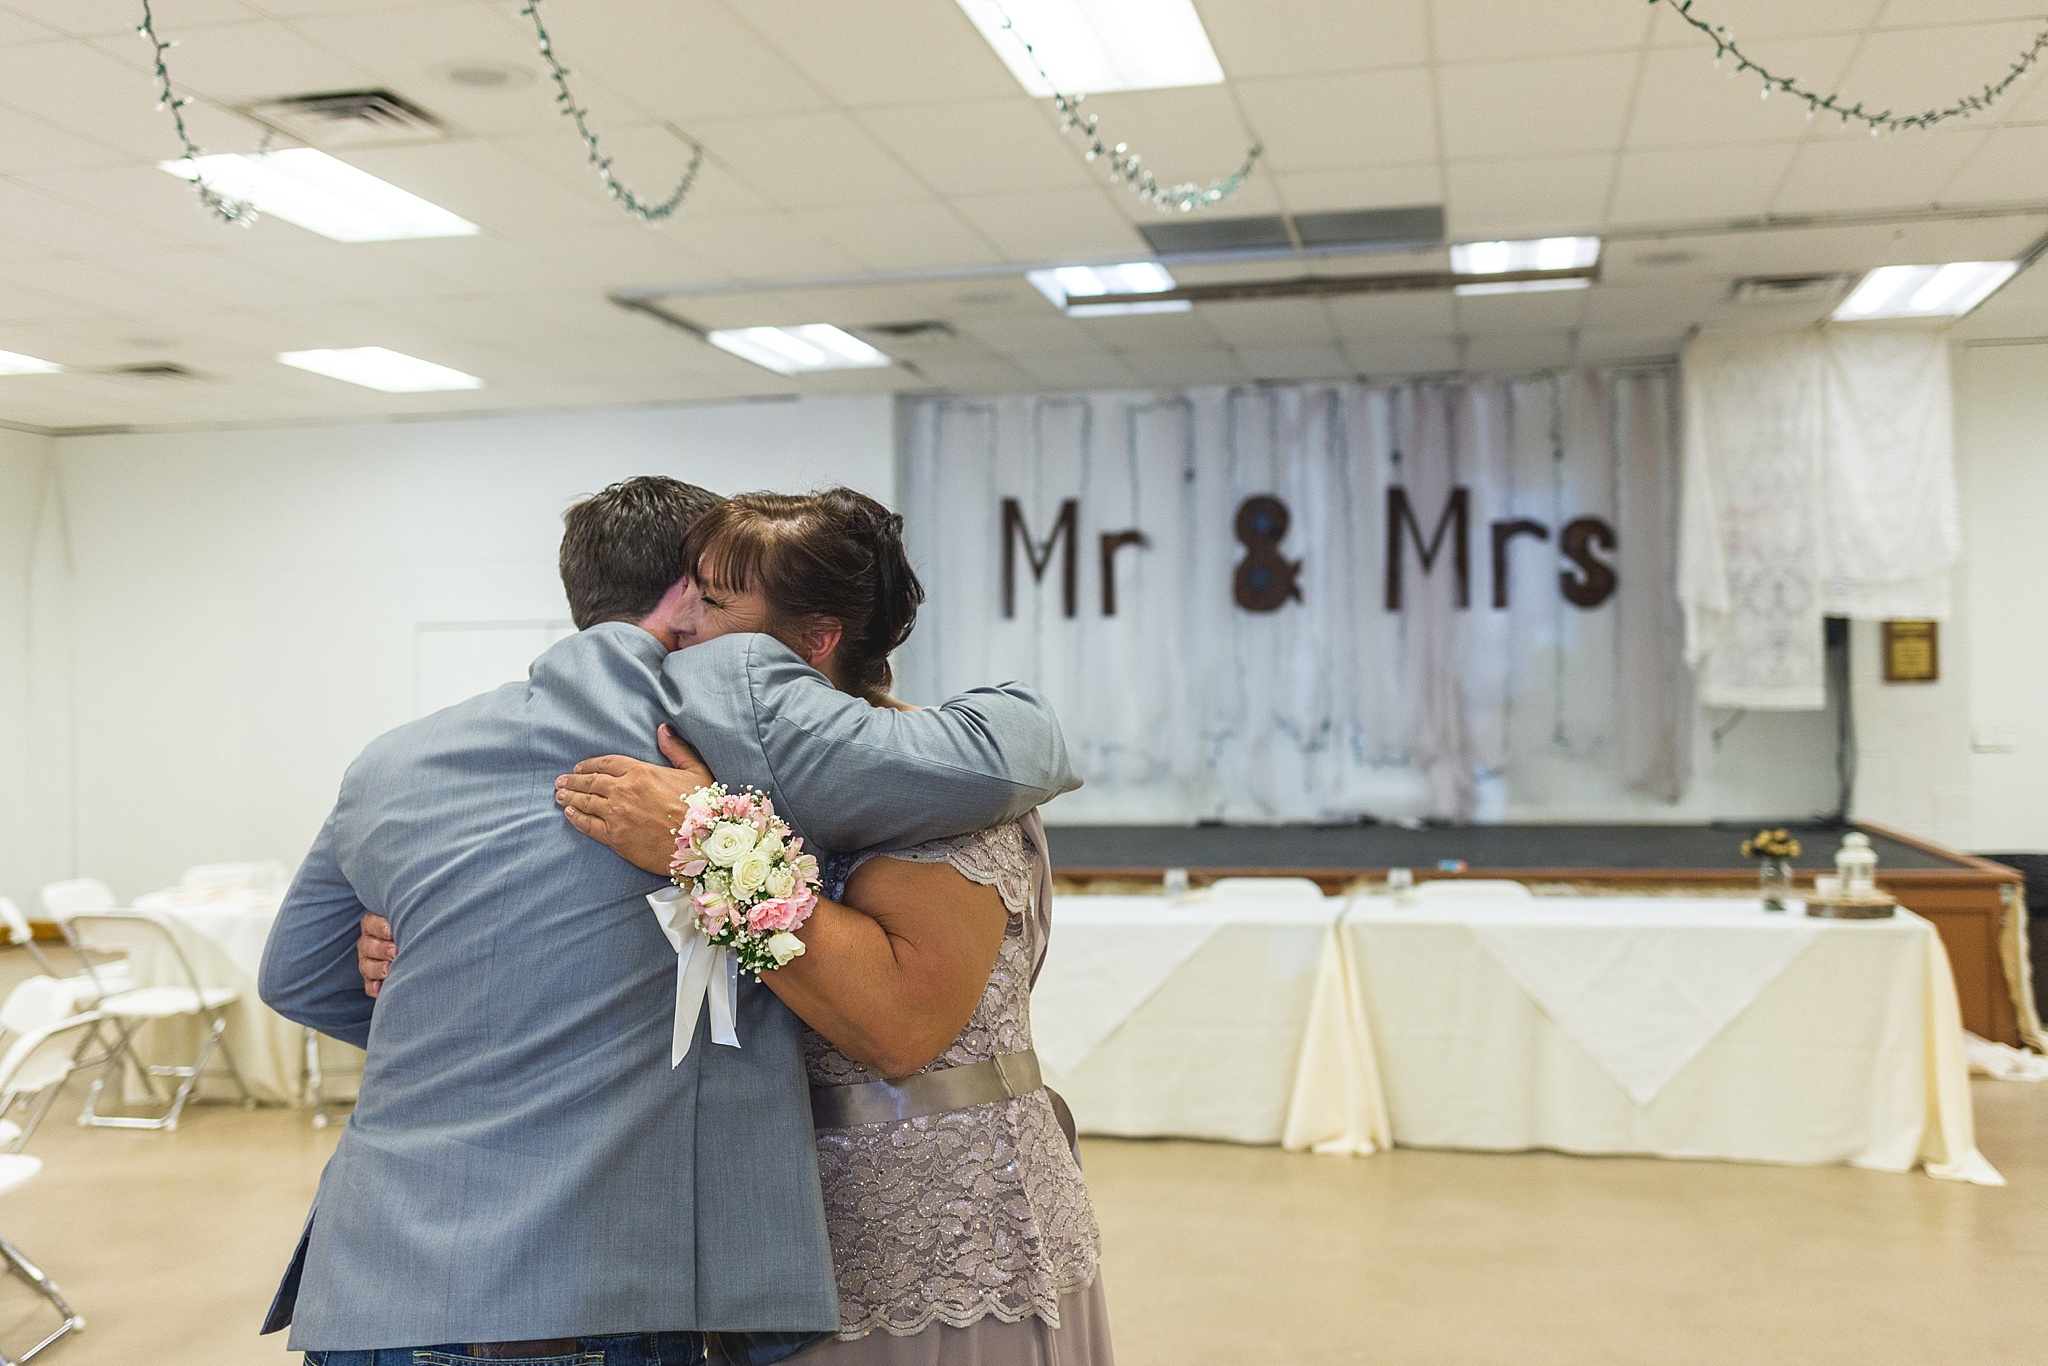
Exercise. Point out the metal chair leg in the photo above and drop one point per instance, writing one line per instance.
(44, 1286)
(220, 1030)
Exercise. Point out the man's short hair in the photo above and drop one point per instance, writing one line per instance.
(622, 549)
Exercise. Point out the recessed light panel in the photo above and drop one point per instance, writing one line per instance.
(322, 194)
(13, 363)
(1088, 46)
(1070, 288)
(1924, 291)
(1539, 253)
(376, 367)
(799, 350)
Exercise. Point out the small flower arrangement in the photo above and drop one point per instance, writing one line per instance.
(1770, 844)
(747, 878)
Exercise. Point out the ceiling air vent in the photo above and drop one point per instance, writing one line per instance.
(1415, 225)
(1182, 237)
(349, 118)
(925, 332)
(1790, 289)
(153, 369)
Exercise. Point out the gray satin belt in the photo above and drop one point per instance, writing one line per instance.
(927, 1093)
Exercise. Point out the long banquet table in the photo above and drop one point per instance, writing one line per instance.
(1669, 1026)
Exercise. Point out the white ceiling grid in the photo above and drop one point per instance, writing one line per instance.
(884, 136)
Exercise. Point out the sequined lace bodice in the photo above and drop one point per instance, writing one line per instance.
(952, 1217)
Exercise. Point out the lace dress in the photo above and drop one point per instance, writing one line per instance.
(965, 1236)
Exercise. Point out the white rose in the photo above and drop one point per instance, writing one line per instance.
(703, 796)
(780, 882)
(750, 874)
(783, 946)
(729, 842)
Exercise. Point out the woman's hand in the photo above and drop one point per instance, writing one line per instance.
(633, 806)
(375, 952)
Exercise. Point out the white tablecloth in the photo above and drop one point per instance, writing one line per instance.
(1665, 1026)
(1180, 1018)
(223, 932)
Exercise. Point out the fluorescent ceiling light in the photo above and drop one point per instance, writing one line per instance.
(1924, 291)
(13, 363)
(1540, 253)
(1069, 286)
(1088, 46)
(799, 350)
(322, 194)
(375, 367)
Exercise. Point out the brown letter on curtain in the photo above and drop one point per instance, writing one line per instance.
(1400, 515)
(1503, 533)
(1598, 582)
(1040, 556)
(1113, 541)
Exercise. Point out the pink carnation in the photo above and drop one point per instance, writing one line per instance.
(778, 913)
(738, 807)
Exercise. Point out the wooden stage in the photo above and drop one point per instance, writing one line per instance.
(1978, 906)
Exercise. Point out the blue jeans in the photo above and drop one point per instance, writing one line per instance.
(630, 1349)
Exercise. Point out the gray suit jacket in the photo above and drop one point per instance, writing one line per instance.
(523, 1162)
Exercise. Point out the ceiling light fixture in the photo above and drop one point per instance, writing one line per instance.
(14, 363)
(1090, 46)
(1069, 288)
(322, 194)
(377, 367)
(799, 350)
(1924, 291)
(1540, 253)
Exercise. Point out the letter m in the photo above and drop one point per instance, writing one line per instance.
(1401, 518)
(1065, 526)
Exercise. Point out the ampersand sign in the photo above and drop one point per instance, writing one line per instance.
(1266, 579)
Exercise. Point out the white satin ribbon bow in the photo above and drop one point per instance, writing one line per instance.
(699, 963)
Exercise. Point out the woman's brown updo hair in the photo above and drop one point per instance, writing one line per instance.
(837, 554)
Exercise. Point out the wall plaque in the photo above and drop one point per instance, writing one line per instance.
(1912, 652)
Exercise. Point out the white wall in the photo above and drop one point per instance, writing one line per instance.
(244, 605)
(2002, 447)
(23, 469)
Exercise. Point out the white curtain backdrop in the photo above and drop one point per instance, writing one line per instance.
(1182, 705)
(1819, 481)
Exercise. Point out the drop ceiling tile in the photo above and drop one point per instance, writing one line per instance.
(1513, 353)
(1751, 20)
(865, 54)
(1671, 306)
(1528, 197)
(1076, 371)
(1214, 366)
(1467, 32)
(900, 236)
(22, 307)
(1394, 356)
(1032, 338)
(1892, 70)
(1698, 182)
(1269, 323)
(241, 63)
(229, 280)
(1298, 37)
(974, 376)
(1372, 118)
(1536, 108)
(1930, 13)
(1504, 314)
(1380, 317)
(1053, 225)
(17, 28)
(1190, 134)
(625, 255)
(28, 143)
(486, 184)
(810, 161)
(89, 285)
(1860, 173)
(2011, 167)
(765, 246)
(1610, 348)
(649, 158)
(981, 146)
(1131, 334)
(87, 92)
(144, 197)
(101, 18)
(1686, 102)
(412, 49)
(682, 59)
(45, 220)
(1380, 187)
(1294, 363)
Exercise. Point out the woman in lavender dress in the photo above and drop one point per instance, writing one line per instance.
(963, 1232)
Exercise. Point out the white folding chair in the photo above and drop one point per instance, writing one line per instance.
(17, 1171)
(1472, 889)
(97, 935)
(65, 899)
(21, 934)
(261, 876)
(35, 1068)
(1265, 889)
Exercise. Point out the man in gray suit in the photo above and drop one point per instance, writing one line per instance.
(525, 1176)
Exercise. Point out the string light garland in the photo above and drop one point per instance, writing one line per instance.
(229, 211)
(1126, 166)
(621, 193)
(1878, 122)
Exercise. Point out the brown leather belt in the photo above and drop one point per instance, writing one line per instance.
(516, 1351)
(927, 1093)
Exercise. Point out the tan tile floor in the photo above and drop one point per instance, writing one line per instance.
(170, 1244)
